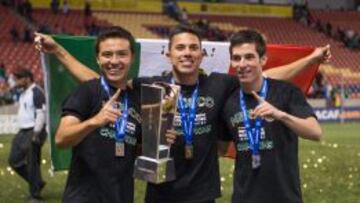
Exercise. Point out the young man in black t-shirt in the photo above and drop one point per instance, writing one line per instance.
(101, 122)
(197, 177)
(265, 118)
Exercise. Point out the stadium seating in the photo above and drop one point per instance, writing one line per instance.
(137, 23)
(344, 69)
(11, 52)
(73, 23)
(347, 20)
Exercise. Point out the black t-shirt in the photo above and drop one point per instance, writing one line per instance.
(197, 179)
(96, 174)
(277, 179)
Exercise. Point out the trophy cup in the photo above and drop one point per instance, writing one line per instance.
(158, 107)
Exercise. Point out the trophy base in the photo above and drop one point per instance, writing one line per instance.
(153, 170)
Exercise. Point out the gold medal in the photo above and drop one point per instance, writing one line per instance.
(120, 149)
(256, 161)
(189, 150)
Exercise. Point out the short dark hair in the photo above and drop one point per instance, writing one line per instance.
(23, 73)
(248, 36)
(183, 29)
(115, 32)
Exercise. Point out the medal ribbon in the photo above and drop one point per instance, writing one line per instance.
(121, 122)
(188, 117)
(253, 133)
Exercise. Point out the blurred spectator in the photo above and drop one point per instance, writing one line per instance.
(204, 25)
(340, 34)
(14, 34)
(319, 26)
(184, 19)
(27, 6)
(87, 8)
(318, 87)
(2, 71)
(27, 35)
(328, 29)
(172, 10)
(54, 6)
(302, 13)
(337, 98)
(327, 93)
(65, 7)
(25, 152)
(59, 30)
(6, 96)
(44, 28)
(11, 81)
(350, 39)
(93, 30)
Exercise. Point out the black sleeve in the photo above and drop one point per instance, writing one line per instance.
(39, 98)
(224, 131)
(78, 104)
(298, 106)
(230, 82)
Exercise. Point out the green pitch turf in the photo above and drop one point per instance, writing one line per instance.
(329, 170)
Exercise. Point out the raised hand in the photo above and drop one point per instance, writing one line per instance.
(321, 54)
(45, 43)
(265, 110)
(109, 112)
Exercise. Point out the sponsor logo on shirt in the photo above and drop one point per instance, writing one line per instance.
(130, 130)
(242, 143)
(207, 102)
(109, 132)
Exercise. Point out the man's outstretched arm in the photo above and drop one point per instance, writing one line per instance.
(289, 71)
(47, 44)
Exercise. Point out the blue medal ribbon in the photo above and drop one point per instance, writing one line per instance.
(121, 122)
(253, 132)
(188, 115)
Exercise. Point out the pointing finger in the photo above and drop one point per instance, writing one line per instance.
(114, 97)
(257, 97)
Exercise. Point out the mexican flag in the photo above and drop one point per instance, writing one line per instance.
(150, 60)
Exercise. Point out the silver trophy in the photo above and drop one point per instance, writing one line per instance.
(158, 107)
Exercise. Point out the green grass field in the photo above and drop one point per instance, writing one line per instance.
(329, 170)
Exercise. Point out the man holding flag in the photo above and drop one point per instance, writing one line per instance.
(195, 155)
(265, 117)
(101, 123)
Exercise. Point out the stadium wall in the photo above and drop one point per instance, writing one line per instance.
(156, 6)
(331, 4)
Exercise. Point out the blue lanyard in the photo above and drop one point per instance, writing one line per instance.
(188, 117)
(253, 133)
(121, 122)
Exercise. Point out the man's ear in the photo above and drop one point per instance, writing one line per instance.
(97, 61)
(263, 60)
